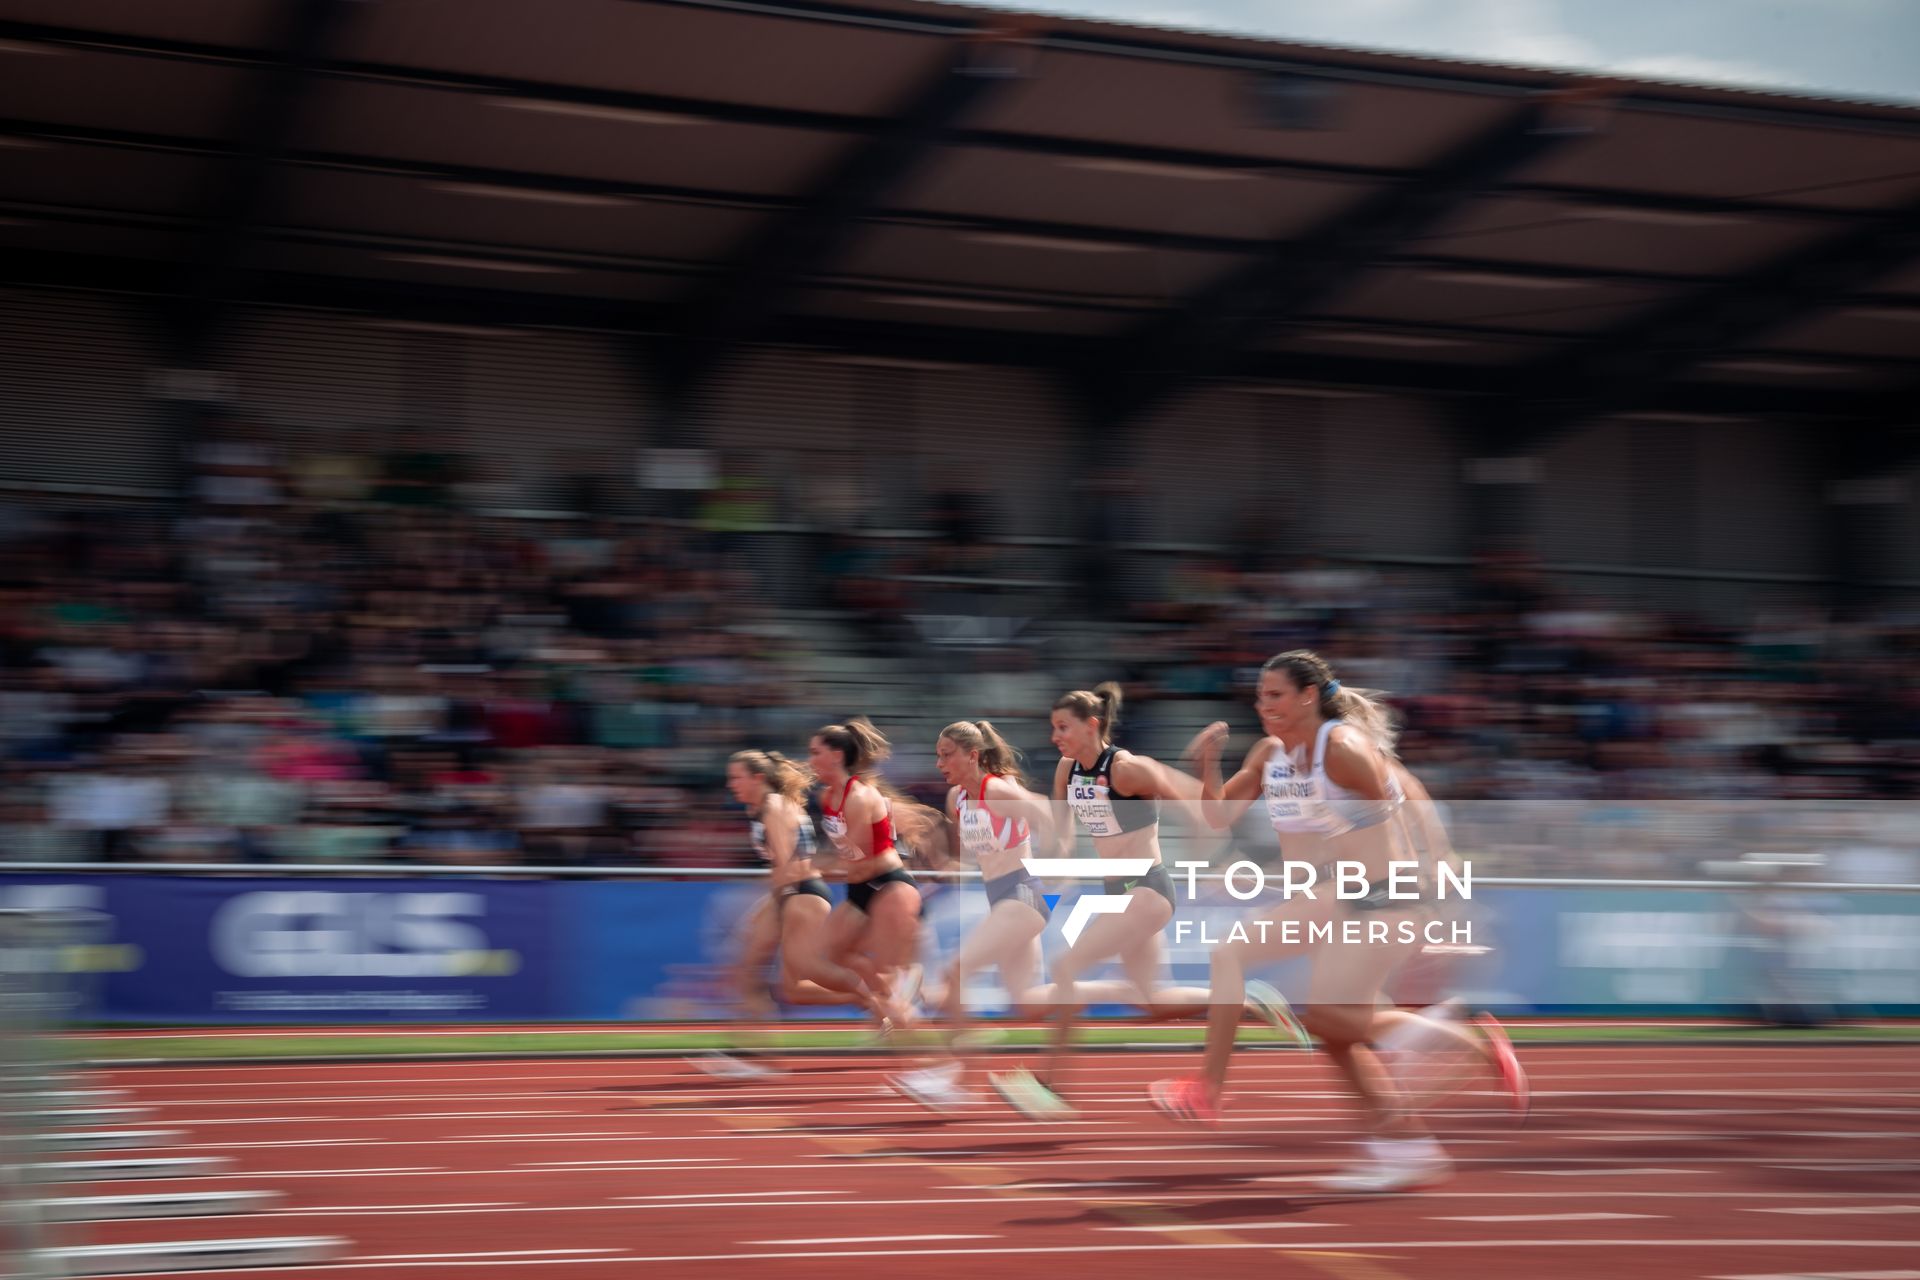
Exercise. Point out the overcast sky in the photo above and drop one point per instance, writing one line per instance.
(1845, 48)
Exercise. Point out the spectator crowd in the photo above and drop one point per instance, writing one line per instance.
(345, 665)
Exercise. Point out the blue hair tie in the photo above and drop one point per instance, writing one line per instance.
(1332, 687)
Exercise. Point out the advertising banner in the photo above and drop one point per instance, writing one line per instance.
(284, 950)
(213, 950)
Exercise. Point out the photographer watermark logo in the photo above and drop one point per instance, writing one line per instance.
(1087, 906)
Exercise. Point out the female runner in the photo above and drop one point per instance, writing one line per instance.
(991, 818)
(876, 931)
(793, 915)
(1116, 796)
(1335, 793)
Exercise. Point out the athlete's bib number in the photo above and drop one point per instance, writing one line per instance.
(1292, 801)
(836, 829)
(977, 835)
(1094, 807)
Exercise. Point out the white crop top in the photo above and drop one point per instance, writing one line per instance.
(1305, 799)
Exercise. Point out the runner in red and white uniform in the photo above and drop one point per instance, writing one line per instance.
(992, 817)
(876, 931)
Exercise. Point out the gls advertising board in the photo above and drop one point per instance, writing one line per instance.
(179, 949)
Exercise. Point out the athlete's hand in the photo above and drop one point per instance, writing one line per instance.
(1206, 746)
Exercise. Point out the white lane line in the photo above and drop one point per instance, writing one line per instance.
(598, 1135)
(1032, 1186)
(1830, 1275)
(1601, 1173)
(1586, 1060)
(1183, 1146)
(500, 1253)
(1218, 1226)
(467, 1115)
(871, 1240)
(193, 1122)
(1844, 1209)
(1284, 1246)
(1545, 1217)
(329, 1173)
(398, 1208)
(1004, 1196)
(737, 1195)
(622, 1162)
(733, 1205)
(1855, 1135)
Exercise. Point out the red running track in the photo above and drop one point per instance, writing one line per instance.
(1645, 1161)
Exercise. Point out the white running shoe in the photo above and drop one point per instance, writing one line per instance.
(1266, 1001)
(725, 1066)
(907, 990)
(901, 1009)
(1394, 1164)
(936, 1089)
(1029, 1097)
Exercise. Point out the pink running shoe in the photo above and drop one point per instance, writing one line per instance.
(1507, 1063)
(1186, 1099)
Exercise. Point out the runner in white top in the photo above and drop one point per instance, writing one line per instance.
(1333, 792)
(992, 817)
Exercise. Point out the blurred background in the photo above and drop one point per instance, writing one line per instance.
(428, 440)
(435, 434)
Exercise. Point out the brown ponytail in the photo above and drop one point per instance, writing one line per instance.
(1364, 709)
(1102, 704)
(862, 748)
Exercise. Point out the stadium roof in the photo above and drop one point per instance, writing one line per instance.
(1137, 208)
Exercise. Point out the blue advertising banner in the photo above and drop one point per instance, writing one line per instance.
(284, 950)
(651, 951)
(193, 949)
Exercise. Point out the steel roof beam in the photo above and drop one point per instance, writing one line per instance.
(1292, 277)
(785, 250)
(1062, 148)
(240, 189)
(1627, 367)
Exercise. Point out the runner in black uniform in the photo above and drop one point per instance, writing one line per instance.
(1116, 796)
